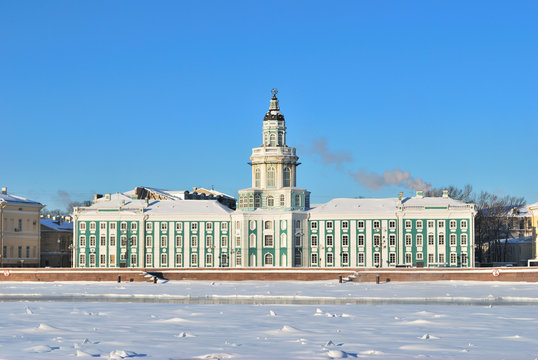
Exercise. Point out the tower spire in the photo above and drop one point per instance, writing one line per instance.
(274, 110)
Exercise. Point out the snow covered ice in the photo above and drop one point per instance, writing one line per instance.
(158, 321)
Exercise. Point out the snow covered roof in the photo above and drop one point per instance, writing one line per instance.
(432, 201)
(57, 225)
(345, 205)
(14, 199)
(121, 201)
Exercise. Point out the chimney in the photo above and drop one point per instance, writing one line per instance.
(445, 193)
(4, 190)
(420, 194)
(400, 196)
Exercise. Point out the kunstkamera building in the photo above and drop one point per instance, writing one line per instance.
(274, 224)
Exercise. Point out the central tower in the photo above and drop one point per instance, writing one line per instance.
(274, 169)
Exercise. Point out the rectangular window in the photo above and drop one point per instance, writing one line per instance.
(209, 241)
(452, 239)
(164, 241)
(194, 241)
(329, 241)
(103, 240)
(268, 241)
(27, 251)
(82, 259)
(209, 259)
(360, 225)
(329, 225)
(149, 259)
(431, 240)
(463, 259)
(419, 256)
(463, 225)
(179, 259)
(430, 258)
(237, 241)
(345, 225)
(112, 240)
(314, 225)
(419, 239)
(392, 258)
(314, 240)
(123, 256)
(82, 226)
(345, 240)
(179, 226)
(82, 241)
(392, 240)
(149, 241)
(123, 226)
(134, 261)
(408, 258)
(297, 241)
(377, 240)
(224, 226)
(453, 224)
(164, 259)
(179, 241)
(419, 224)
(102, 226)
(441, 224)
(194, 260)
(149, 226)
(92, 226)
(238, 258)
(376, 258)
(463, 239)
(92, 259)
(164, 226)
(441, 258)
(92, 240)
(224, 241)
(209, 226)
(345, 258)
(453, 259)
(360, 240)
(112, 259)
(329, 259)
(430, 223)
(377, 224)
(361, 258)
(408, 240)
(392, 224)
(408, 225)
(113, 226)
(224, 260)
(441, 239)
(133, 241)
(314, 259)
(134, 226)
(298, 224)
(194, 227)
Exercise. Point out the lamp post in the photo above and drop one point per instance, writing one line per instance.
(59, 253)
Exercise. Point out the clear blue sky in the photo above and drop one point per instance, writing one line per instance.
(103, 96)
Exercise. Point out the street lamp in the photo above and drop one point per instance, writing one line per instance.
(59, 254)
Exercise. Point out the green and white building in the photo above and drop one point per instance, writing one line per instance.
(274, 224)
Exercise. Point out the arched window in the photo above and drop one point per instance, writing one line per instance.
(238, 258)
(271, 177)
(280, 139)
(286, 182)
(266, 139)
(251, 201)
(282, 200)
(297, 200)
(257, 177)
(270, 201)
(257, 201)
(268, 259)
(272, 140)
(252, 240)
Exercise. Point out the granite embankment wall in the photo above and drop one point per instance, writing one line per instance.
(361, 275)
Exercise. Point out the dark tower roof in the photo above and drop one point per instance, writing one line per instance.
(274, 110)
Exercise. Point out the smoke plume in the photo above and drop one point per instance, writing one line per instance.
(395, 177)
(328, 157)
(63, 198)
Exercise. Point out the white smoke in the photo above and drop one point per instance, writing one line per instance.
(395, 177)
(329, 157)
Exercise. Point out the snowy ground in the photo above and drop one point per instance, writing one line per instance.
(184, 320)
